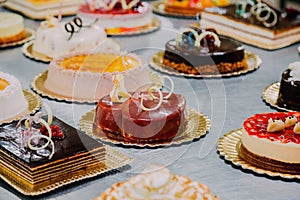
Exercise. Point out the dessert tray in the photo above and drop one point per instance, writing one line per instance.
(153, 26)
(38, 85)
(156, 62)
(228, 147)
(29, 172)
(270, 95)
(34, 104)
(28, 52)
(41, 10)
(197, 126)
(29, 36)
(159, 8)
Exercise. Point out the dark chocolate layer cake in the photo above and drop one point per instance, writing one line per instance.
(229, 57)
(289, 92)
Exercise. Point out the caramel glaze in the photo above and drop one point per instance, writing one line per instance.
(289, 92)
(286, 20)
(130, 121)
(74, 143)
(230, 51)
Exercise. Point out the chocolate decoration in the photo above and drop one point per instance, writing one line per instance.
(230, 51)
(75, 142)
(285, 21)
(289, 92)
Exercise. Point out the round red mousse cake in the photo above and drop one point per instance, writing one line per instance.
(129, 121)
(276, 150)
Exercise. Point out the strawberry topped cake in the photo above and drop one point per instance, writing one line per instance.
(117, 16)
(272, 141)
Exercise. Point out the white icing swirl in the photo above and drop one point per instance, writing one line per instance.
(295, 71)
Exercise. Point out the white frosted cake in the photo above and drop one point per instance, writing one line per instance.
(158, 183)
(272, 141)
(11, 28)
(117, 16)
(89, 76)
(12, 100)
(54, 38)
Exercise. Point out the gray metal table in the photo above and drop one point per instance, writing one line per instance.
(227, 102)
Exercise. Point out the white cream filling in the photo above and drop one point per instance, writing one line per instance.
(276, 150)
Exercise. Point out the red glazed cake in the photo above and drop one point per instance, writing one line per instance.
(272, 141)
(143, 117)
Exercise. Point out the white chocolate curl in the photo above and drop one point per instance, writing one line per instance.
(118, 89)
(48, 138)
(260, 8)
(150, 93)
(275, 125)
(203, 35)
(179, 39)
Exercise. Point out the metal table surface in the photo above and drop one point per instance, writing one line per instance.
(227, 102)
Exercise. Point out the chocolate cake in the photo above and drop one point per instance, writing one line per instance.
(76, 154)
(127, 120)
(280, 29)
(186, 56)
(289, 90)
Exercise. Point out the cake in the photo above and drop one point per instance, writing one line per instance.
(55, 38)
(191, 7)
(289, 90)
(117, 16)
(255, 23)
(39, 9)
(89, 76)
(12, 100)
(142, 116)
(272, 141)
(39, 154)
(12, 28)
(157, 182)
(204, 52)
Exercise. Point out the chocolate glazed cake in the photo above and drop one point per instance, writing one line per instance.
(75, 155)
(289, 92)
(186, 57)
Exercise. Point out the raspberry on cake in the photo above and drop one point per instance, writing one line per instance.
(117, 16)
(289, 90)
(55, 38)
(12, 28)
(88, 77)
(203, 51)
(141, 116)
(12, 99)
(255, 23)
(157, 182)
(272, 141)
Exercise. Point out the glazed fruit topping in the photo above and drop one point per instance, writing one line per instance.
(282, 130)
(57, 134)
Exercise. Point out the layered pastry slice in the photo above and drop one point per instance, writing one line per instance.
(255, 23)
(272, 141)
(38, 156)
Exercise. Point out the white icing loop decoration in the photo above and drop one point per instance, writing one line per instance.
(150, 93)
(179, 39)
(48, 138)
(171, 89)
(260, 8)
(203, 35)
